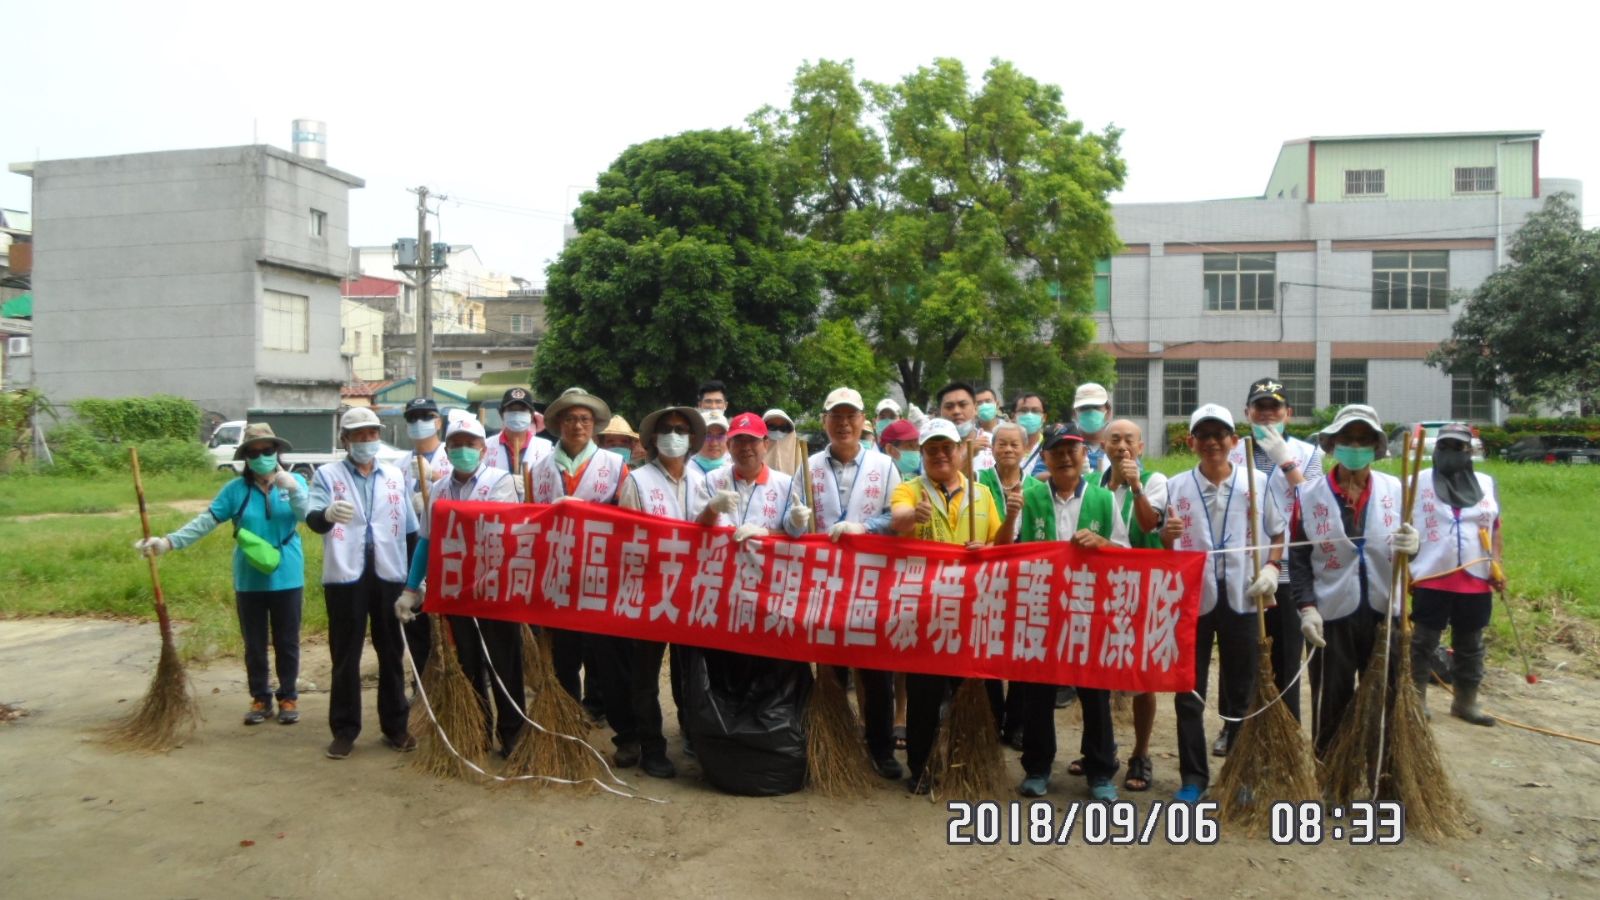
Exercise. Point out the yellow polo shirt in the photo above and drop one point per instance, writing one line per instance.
(951, 518)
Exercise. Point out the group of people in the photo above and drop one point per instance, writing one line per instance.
(1318, 554)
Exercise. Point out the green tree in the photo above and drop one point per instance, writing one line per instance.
(1531, 331)
(951, 223)
(681, 271)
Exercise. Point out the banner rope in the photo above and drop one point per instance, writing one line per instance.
(1293, 684)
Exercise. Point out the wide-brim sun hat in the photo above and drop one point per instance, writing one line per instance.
(255, 433)
(576, 396)
(1349, 415)
(697, 427)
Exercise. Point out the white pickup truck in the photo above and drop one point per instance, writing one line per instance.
(225, 440)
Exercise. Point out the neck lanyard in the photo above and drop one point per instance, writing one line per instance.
(1219, 563)
(844, 502)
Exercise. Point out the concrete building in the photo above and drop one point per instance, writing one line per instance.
(362, 346)
(209, 274)
(1336, 280)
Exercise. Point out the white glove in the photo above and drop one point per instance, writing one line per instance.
(342, 512)
(915, 416)
(1311, 626)
(1274, 446)
(1407, 541)
(725, 502)
(565, 497)
(405, 609)
(800, 518)
(417, 505)
(840, 528)
(1266, 583)
(286, 481)
(150, 548)
(522, 488)
(746, 532)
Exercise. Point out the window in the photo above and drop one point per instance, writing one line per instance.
(1358, 182)
(1411, 280)
(479, 366)
(1299, 378)
(1469, 402)
(1131, 396)
(319, 223)
(1240, 282)
(376, 350)
(1102, 287)
(284, 320)
(448, 368)
(1180, 386)
(1474, 179)
(1347, 382)
(356, 347)
(521, 324)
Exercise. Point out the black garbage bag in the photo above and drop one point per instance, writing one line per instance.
(746, 720)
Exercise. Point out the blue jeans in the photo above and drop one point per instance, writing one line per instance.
(278, 611)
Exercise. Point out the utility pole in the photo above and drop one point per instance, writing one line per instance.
(422, 268)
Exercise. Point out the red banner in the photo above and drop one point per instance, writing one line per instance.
(1042, 612)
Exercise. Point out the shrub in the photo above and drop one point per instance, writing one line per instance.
(140, 418)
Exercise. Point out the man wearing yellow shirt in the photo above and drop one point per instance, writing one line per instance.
(940, 505)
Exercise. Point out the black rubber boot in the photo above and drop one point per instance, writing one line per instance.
(1424, 643)
(1468, 675)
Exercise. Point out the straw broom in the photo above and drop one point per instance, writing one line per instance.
(967, 759)
(1270, 761)
(169, 713)
(545, 752)
(1417, 777)
(837, 761)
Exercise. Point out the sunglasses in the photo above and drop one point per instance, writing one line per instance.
(674, 429)
(257, 452)
(780, 429)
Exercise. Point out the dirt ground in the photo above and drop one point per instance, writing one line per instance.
(258, 812)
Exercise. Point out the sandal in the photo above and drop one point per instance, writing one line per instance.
(899, 737)
(1138, 777)
(1075, 768)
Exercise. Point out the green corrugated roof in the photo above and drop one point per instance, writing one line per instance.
(18, 307)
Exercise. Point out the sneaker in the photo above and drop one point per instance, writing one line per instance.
(1219, 747)
(1034, 786)
(1189, 793)
(260, 711)
(626, 757)
(288, 714)
(340, 748)
(889, 768)
(1102, 790)
(405, 743)
(656, 765)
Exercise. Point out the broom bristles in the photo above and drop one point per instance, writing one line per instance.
(1417, 777)
(837, 762)
(1269, 763)
(459, 714)
(168, 714)
(418, 722)
(1348, 765)
(967, 760)
(541, 752)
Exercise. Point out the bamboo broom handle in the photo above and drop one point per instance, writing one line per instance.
(1250, 529)
(972, 496)
(155, 574)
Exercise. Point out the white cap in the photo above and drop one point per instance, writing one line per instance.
(1090, 394)
(359, 417)
(714, 419)
(934, 429)
(844, 397)
(467, 424)
(776, 414)
(889, 404)
(1211, 411)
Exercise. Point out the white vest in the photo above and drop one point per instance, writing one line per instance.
(344, 548)
(767, 504)
(876, 477)
(432, 464)
(1275, 484)
(1450, 536)
(658, 496)
(1183, 495)
(495, 454)
(598, 483)
(1336, 563)
(480, 488)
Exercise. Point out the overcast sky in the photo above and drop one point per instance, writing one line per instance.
(519, 105)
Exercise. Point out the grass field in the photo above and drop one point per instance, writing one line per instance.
(67, 551)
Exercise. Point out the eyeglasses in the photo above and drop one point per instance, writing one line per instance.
(256, 452)
(939, 448)
(674, 429)
(584, 421)
(1218, 435)
(715, 438)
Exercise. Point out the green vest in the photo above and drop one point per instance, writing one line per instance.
(1039, 513)
(990, 478)
(1138, 538)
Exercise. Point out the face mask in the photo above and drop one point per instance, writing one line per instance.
(882, 424)
(1449, 462)
(464, 459)
(1031, 422)
(908, 464)
(518, 421)
(363, 452)
(1261, 430)
(623, 453)
(672, 446)
(709, 465)
(265, 463)
(1091, 420)
(421, 429)
(965, 429)
(987, 412)
(1354, 458)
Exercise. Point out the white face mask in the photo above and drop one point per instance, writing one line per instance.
(518, 421)
(965, 428)
(421, 429)
(673, 446)
(363, 452)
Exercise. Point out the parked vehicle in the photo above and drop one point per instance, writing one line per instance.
(1430, 433)
(1572, 449)
(224, 441)
(312, 432)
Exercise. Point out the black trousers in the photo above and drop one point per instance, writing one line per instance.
(350, 608)
(610, 661)
(1016, 714)
(566, 651)
(1288, 645)
(419, 631)
(1337, 669)
(925, 698)
(1098, 745)
(646, 694)
(504, 641)
(1235, 636)
(274, 613)
(877, 714)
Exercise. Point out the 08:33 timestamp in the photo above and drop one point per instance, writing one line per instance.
(1357, 823)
